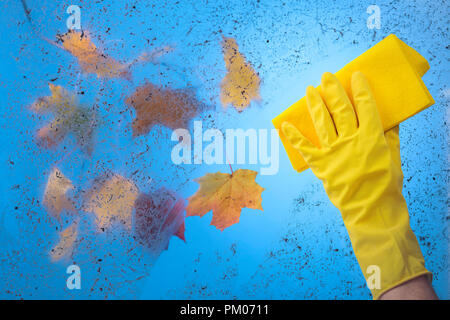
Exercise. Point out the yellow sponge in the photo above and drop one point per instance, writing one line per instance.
(394, 71)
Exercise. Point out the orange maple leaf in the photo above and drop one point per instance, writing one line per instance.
(94, 60)
(172, 108)
(91, 58)
(241, 83)
(225, 194)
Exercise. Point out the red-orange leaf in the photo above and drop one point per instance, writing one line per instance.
(172, 108)
(158, 216)
(226, 195)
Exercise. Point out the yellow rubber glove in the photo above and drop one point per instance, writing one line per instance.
(361, 172)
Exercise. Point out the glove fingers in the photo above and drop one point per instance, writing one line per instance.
(323, 123)
(368, 116)
(365, 105)
(339, 104)
(297, 139)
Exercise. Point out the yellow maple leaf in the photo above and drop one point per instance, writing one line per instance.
(55, 197)
(241, 83)
(112, 200)
(70, 117)
(60, 101)
(225, 194)
(66, 243)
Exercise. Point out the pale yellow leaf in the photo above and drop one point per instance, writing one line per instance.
(241, 83)
(55, 194)
(65, 246)
(112, 201)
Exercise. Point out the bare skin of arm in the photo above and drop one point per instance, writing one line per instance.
(416, 289)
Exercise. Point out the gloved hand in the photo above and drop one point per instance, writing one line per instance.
(361, 172)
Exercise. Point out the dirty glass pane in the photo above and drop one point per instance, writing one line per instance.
(108, 111)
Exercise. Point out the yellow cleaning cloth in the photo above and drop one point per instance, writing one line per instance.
(394, 72)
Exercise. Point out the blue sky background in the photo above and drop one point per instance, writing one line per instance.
(298, 247)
